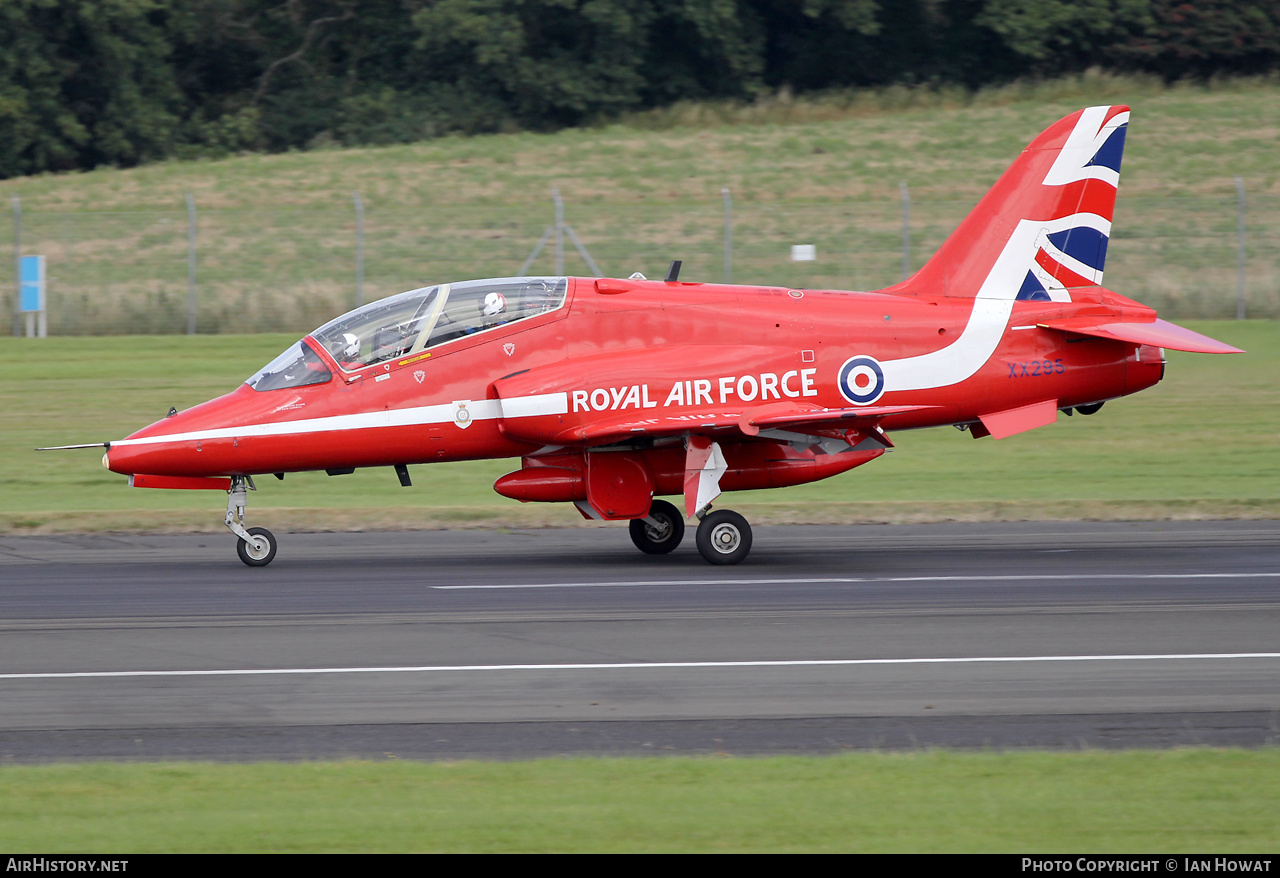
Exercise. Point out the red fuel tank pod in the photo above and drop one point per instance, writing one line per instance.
(543, 484)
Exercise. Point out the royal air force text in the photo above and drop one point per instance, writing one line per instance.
(700, 391)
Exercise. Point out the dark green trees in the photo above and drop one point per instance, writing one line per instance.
(91, 82)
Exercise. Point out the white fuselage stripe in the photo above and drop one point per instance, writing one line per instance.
(480, 410)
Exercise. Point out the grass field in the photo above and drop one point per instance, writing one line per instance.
(1183, 801)
(276, 234)
(1204, 443)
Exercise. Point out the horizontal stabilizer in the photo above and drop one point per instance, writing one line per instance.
(1160, 333)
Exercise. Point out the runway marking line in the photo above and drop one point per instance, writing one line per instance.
(839, 580)
(613, 666)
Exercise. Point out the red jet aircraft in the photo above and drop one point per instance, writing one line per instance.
(615, 391)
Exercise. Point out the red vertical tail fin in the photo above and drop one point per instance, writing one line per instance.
(1044, 226)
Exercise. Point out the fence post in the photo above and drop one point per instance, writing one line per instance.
(728, 234)
(1239, 248)
(359, 248)
(555, 194)
(17, 266)
(191, 265)
(906, 229)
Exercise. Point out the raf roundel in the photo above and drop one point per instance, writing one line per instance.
(861, 380)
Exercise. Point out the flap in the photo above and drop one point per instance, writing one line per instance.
(1013, 421)
(788, 416)
(796, 416)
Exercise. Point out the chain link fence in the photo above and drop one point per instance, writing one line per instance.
(258, 270)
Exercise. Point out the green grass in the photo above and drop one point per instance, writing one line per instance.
(276, 233)
(1204, 443)
(1220, 801)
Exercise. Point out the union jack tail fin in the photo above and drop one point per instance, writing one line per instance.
(1043, 227)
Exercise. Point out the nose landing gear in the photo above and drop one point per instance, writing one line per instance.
(257, 545)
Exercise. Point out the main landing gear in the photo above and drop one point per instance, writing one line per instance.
(661, 532)
(723, 537)
(257, 545)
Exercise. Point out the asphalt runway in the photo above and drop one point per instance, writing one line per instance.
(512, 644)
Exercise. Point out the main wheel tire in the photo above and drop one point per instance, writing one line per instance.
(724, 537)
(658, 540)
(260, 551)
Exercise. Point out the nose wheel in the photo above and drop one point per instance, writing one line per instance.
(724, 537)
(258, 549)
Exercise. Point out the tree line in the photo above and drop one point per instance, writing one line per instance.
(85, 83)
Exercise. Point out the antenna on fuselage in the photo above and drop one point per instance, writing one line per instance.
(673, 273)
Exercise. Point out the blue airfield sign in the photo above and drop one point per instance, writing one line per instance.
(31, 296)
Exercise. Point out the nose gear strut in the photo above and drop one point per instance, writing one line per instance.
(257, 545)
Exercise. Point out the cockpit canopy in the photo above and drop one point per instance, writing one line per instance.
(411, 322)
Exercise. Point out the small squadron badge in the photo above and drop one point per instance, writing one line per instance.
(461, 416)
(418, 375)
(510, 348)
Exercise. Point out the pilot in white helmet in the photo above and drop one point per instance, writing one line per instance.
(351, 351)
(494, 303)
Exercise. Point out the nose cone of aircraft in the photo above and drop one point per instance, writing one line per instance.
(188, 443)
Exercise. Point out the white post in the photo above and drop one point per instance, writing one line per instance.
(906, 229)
(359, 248)
(191, 265)
(1239, 248)
(728, 234)
(555, 194)
(17, 266)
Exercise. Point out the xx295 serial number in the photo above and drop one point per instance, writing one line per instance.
(1034, 368)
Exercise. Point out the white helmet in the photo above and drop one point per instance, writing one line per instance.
(494, 303)
(352, 349)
